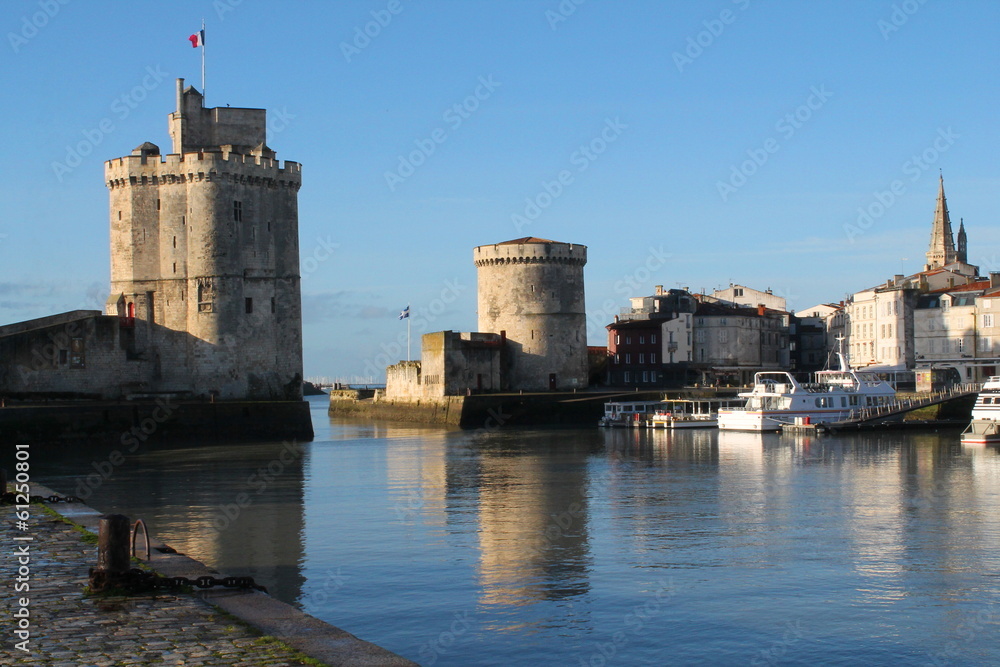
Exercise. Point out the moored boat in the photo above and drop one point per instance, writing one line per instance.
(688, 413)
(985, 425)
(627, 413)
(777, 398)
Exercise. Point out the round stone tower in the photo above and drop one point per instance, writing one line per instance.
(531, 290)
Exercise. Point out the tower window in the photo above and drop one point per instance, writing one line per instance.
(119, 215)
(175, 267)
(175, 241)
(157, 204)
(238, 211)
(268, 225)
(272, 304)
(182, 221)
(249, 304)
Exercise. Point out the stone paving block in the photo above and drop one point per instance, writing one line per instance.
(69, 629)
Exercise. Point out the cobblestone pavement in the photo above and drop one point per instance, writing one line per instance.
(71, 629)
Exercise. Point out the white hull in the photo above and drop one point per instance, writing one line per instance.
(772, 420)
(682, 423)
(984, 429)
(981, 432)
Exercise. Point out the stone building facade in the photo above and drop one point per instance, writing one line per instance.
(205, 256)
(452, 363)
(205, 299)
(531, 290)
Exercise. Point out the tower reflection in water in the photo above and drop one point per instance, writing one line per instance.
(237, 507)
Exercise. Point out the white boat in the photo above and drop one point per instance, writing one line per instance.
(688, 413)
(778, 398)
(985, 425)
(627, 413)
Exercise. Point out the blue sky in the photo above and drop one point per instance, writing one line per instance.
(697, 144)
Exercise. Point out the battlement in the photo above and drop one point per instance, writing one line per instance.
(148, 168)
(530, 251)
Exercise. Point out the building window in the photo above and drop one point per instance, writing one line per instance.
(628, 340)
(723, 336)
(77, 359)
(652, 338)
(645, 376)
(642, 358)
(617, 359)
(738, 291)
(273, 305)
(642, 340)
(652, 357)
(987, 320)
(628, 358)
(616, 339)
(249, 304)
(238, 211)
(628, 376)
(63, 357)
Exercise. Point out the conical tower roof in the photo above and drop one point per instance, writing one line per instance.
(942, 245)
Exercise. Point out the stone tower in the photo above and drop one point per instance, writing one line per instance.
(962, 244)
(205, 256)
(942, 245)
(531, 290)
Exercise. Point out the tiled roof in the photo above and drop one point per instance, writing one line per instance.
(527, 239)
(971, 287)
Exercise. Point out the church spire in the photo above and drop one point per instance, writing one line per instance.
(942, 246)
(962, 244)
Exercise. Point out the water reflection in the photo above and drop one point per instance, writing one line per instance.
(882, 546)
(236, 507)
(532, 518)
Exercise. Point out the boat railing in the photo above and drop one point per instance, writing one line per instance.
(913, 402)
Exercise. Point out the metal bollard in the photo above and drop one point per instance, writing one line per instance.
(113, 542)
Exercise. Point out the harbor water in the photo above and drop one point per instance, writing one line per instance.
(590, 546)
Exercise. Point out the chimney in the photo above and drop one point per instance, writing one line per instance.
(659, 290)
(761, 308)
(994, 279)
(898, 279)
(180, 95)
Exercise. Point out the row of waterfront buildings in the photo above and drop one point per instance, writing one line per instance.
(935, 326)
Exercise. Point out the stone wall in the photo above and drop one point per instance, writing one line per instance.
(83, 357)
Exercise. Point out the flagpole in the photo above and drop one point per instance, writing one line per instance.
(203, 94)
(407, 334)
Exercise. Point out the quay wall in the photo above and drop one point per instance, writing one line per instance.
(163, 418)
(489, 410)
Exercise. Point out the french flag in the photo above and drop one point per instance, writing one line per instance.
(197, 39)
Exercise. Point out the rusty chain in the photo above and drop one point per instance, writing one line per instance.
(10, 498)
(138, 581)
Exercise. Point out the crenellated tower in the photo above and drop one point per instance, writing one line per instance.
(205, 256)
(531, 289)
